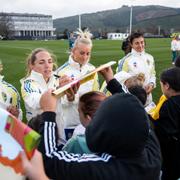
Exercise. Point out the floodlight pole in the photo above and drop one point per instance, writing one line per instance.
(130, 21)
(159, 30)
(79, 21)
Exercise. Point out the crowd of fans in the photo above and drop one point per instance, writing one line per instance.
(115, 131)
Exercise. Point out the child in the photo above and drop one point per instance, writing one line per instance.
(167, 126)
(125, 146)
(126, 81)
(133, 85)
(88, 104)
(155, 112)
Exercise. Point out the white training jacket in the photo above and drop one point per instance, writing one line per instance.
(74, 70)
(135, 63)
(32, 88)
(9, 96)
(175, 45)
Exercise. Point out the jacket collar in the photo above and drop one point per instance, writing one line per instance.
(37, 77)
(75, 64)
(134, 52)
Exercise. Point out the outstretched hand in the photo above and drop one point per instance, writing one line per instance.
(107, 74)
(48, 102)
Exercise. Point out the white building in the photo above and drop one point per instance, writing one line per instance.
(117, 36)
(31, 26)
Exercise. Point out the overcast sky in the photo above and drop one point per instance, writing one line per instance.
(65, 8)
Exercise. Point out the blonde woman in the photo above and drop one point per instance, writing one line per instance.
(76, 66)
(39, 79)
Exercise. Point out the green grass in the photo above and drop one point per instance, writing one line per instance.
(14, 53)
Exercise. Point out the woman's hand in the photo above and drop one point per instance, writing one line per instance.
(64, 80)
(48, 102)
(70, 93)
(107, 74)
(148, 88)
(13, 110)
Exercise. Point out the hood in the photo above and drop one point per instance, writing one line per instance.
(120, 127)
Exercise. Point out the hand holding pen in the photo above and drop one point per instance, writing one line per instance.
(63, 80)
(70, 93)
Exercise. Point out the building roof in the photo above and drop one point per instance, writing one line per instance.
(25, 14)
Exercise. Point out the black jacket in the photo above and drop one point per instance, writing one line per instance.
(167, 128)
(168, 124)
(114, 86)
(120, 134)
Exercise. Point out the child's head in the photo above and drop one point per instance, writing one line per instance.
(139, 92)
(135, 80)
(170, 81)
(88, 104)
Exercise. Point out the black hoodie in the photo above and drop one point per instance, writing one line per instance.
(125, 146)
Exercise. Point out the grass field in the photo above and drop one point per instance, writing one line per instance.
(14, 53)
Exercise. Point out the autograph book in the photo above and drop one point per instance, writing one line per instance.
(83, 79)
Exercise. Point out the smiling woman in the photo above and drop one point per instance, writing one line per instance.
(139, 62)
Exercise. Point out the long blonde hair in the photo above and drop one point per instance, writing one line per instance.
(32, 58)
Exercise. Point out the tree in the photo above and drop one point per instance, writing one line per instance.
(6, 26)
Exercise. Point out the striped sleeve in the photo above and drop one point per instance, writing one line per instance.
(31, 94)
(51, 148)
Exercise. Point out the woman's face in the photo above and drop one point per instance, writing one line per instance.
(138, 44)
(81, 53)
(43, 64)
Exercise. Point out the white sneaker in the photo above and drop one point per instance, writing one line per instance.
(173, 63)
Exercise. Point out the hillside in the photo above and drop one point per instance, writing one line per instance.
(144, 17)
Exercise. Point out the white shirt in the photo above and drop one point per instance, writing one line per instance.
(32, 89)
(135, 63)
(9, 96)
(70, 109)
